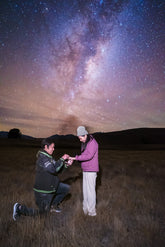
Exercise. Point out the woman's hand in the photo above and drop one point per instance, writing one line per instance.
(72, 158)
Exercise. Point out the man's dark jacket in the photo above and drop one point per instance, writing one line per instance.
(46, 180)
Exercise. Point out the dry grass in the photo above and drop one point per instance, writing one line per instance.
(130, 201)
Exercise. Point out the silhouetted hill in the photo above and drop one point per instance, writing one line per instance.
(3, 134)
(132, 137)
(125, 138)
(142, 138)
(66, 140)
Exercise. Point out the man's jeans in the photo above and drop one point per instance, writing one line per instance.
(61, 192)
(45, 200)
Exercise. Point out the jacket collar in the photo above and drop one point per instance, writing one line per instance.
(44, 153)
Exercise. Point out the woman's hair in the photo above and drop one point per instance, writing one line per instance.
(83, 145)
(47, 141)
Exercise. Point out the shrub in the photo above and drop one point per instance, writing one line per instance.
(14, 133)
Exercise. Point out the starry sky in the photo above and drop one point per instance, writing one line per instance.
(98, 63)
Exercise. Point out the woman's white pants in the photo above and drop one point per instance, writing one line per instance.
(89, 193)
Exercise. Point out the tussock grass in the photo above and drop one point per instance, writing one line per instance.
(130, 201)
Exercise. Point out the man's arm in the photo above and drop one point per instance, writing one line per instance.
(55, 166)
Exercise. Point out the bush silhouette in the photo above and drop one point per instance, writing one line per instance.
(15, 134)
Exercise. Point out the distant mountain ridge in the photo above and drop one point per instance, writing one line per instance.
(4, 134)
(133, 136)
(139, 136)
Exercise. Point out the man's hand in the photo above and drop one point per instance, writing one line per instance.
(65, 156)
(69, 162)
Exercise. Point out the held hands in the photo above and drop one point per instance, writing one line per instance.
(70, 161)
(67, 157)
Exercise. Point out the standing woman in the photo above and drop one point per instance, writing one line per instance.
(90, 167)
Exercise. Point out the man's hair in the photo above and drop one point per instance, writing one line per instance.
(47, 141)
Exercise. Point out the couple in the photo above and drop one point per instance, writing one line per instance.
(49, 191)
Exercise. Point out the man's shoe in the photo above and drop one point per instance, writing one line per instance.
(16, 211)
(57, 209)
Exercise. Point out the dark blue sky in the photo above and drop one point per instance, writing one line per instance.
(94, 63)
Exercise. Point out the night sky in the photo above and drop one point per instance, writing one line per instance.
(95, 63)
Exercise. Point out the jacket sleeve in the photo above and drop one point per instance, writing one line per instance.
(88, 153)
(53, 166)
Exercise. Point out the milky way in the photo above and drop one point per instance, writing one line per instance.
(95, 63)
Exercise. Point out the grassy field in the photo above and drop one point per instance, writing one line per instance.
(130, 201)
